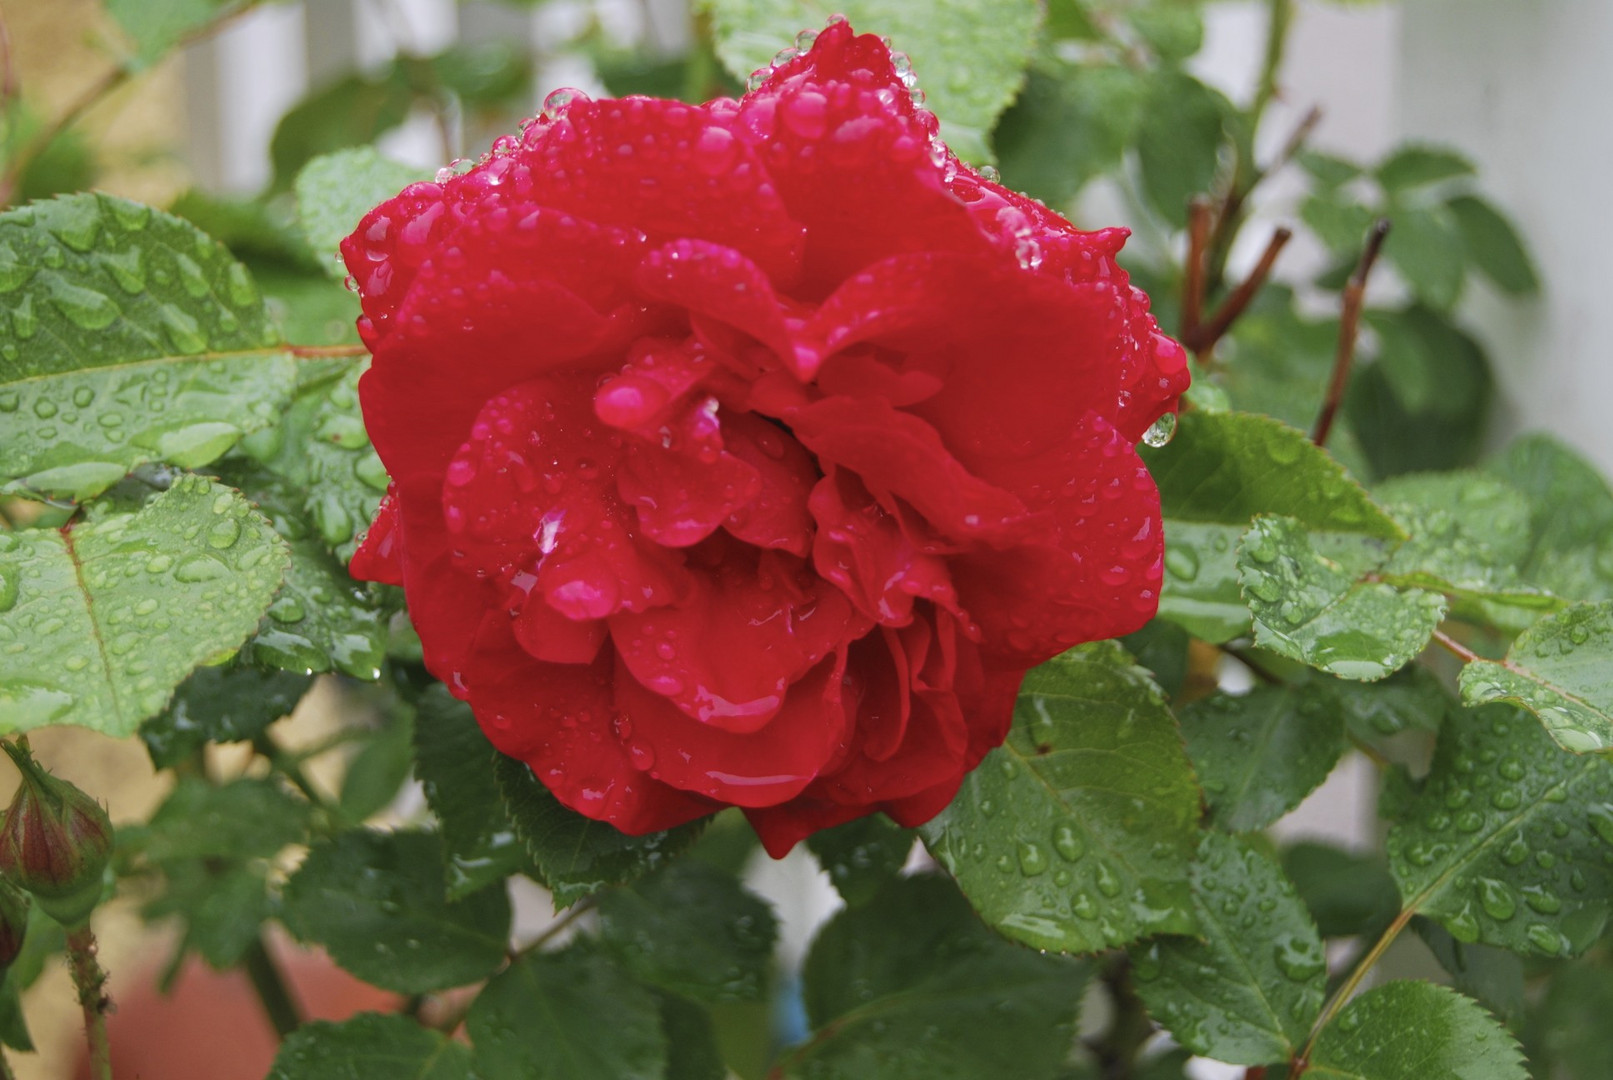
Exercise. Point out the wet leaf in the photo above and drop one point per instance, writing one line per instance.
(693, 930)
(1509, 842)
(131, 337)
(1216, 475)
(1560, 669)
(912, 986)
(1327, 609)
(377, 902)
(571, 1015)
(334, 191)
(370, 1046)
(1248, 992)
(1076, 833)
(1413, 1031)
(112, 615)
(1259, 754)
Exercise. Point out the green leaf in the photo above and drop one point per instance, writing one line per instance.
(155, 26)
(132, 337)
(112, 615)
(322, 620)
(1468, 533)
(1248, 992)
(370, 1046)
(223, 904)
(1570, 548)
(969, 55)
(1412, 699)
(322, 453)
(1414, 166)
(1346, 893)
(249, 818)
(1494, 977)
(454, 762)
(576, 855)
(692, 1050)
(1069, 125)
(1162, 647)
(911, 986)
(1567, 1032)
(379, 769)
(1510, 840)
(334, 191)
(1328, 170)
(1414, 1031)
(1259, 754)
(861, 856)
(1173, 29)
(1426, 246)
(232, 703)
(693, 930)
(308, 308)
(1560, 669)
(1450, 432)
(569, 1015)
(1494, 245)
(1076, 833)
(1215, 476)
(1339, 222)
(1323, 611)
(1179, 142)
(377, 902)
(355, 110)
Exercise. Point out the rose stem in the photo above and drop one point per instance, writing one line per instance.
(1198, 233)
(1349, 328)
(1204, 338)
(91, 983)
(1455, 648)
(270, 985)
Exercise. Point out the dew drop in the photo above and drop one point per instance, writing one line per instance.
(1161, 431)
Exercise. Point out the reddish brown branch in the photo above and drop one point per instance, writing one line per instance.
(1349, 330)
(1455, 648)
(1203, 338)
(1198, 235)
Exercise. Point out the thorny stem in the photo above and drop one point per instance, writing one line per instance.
(92, 997)
(1203, 338)
(1281, 14)
(1349, 328)
(271, 988)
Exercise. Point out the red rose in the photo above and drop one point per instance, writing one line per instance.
(748, 454)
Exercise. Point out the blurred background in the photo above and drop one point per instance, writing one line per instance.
(218, 129)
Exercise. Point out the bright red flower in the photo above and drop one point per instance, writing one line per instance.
(749, 454)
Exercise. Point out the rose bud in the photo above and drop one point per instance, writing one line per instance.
(749, 454)
(55, 842)
(13, 923)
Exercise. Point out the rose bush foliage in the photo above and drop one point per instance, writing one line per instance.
(750, 453)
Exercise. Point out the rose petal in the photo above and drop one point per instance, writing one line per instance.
(379, 556)
(865, 552)
(896, 453)
(684, 485)
(750, 627)
(1095, 573)
(759, 768)
(560, 720)
(777, 516)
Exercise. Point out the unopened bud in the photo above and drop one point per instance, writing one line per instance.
(54, 842)
(13, 923)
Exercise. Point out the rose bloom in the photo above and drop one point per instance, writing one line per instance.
(748, 454)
